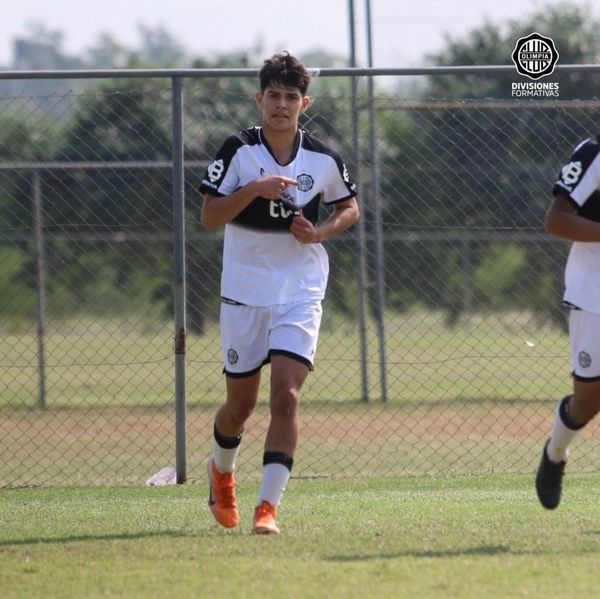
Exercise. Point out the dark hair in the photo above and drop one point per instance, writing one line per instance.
(284, 69)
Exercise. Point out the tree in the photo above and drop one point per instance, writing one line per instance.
(474, 162)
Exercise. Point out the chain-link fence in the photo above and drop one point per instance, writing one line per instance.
(443, 346)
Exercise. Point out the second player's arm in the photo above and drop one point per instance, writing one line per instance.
(563, 221)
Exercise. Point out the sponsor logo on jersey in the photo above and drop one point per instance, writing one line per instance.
(345, 174)
(570, 174)
(215, 170)
(305, 182)
(535, 56)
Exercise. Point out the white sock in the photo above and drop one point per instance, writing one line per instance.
(225, 458)
(560, 439)
(275, 479)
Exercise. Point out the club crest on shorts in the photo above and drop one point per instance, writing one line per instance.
(305, 182)
(584, 359)
(232, 356)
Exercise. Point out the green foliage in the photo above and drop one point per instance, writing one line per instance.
(497, 274)
(571, 27)
(444, 168)
(16, 297)
(474, 163)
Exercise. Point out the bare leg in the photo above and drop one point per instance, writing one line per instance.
(287, 378)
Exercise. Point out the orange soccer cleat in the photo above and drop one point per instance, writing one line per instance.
(221, 496)
(264, 519)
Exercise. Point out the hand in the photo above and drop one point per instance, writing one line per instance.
(271, 187)
(304, 231)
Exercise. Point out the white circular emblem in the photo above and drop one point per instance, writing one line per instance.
(535, 56)
(232, 356)
(584, 359)
(305, 182)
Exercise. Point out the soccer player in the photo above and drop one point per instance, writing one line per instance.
(265, 186)
(575, 215)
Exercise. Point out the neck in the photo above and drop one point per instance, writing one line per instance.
(282, 143)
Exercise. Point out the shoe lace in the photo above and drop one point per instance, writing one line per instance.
(224, 490)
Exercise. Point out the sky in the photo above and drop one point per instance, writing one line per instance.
(402, 32)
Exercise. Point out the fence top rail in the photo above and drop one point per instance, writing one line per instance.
(253, 72)
(98, 165)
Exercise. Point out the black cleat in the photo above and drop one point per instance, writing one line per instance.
(548, 482)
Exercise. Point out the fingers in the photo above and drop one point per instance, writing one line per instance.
(273, 186)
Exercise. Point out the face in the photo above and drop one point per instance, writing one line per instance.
(281, 107)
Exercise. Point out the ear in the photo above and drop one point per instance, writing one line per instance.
(259, 98)
(305, 102)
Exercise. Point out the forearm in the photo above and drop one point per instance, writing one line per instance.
(572, 227)
(338, 222)
(218, 211)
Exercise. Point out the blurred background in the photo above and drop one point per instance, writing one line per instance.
(443, 346)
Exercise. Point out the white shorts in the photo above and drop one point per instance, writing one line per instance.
(584, 337)
(250, 335)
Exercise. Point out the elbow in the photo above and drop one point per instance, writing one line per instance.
(550, 224)
(547, 225)
(355, 214)
(208, 220)
(209, 224)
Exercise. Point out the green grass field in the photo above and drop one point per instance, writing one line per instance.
(430, 495)
(409, 537)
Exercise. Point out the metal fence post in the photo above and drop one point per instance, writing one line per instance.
(40, 261)
(378, 220)
(362, 275)
(179, 286)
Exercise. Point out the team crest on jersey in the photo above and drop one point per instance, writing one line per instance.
(584, 359)
(215, 170)
(305, 182)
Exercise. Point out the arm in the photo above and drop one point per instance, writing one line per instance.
(219, 210)
(563, 221)
(345, 214)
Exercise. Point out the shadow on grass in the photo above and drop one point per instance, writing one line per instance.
(107, 537)
(469, 551)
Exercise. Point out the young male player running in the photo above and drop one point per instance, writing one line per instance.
(265, 186)
(575, 215)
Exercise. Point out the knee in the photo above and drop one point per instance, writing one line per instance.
(239, 411)
(284, 403)
(584, 408)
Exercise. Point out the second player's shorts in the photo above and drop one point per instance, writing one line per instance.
(584, 337)
(250, 335)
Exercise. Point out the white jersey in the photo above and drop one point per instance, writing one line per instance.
(580, 180)
(263, 264)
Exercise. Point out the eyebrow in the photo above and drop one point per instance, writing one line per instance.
(281, 90)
